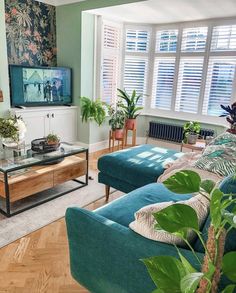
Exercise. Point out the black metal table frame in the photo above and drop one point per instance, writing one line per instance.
(8, 213)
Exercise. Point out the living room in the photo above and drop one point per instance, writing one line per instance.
(117, 146)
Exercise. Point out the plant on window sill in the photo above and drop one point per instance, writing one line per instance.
(178, 219)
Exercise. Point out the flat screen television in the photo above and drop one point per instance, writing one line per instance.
(40, 86)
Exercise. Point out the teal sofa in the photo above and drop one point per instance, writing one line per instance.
(105, 254)
(135, 167)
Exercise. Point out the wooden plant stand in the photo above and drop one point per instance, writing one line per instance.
(134, 134)
(112, 140)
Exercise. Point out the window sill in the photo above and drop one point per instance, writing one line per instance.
(207, 120)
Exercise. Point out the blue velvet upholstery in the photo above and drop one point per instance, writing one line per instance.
(136, 166)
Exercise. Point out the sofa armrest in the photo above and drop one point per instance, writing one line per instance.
(105, 256)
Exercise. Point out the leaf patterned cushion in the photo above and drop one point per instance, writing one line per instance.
(144, 223)
(219, 156)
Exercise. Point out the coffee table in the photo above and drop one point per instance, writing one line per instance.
(198, 146)
(24, 174)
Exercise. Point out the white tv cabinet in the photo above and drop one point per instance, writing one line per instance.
(40, 121)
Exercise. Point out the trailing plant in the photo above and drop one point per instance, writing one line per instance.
(177, 275)
(130, 103)
(52, 138)
(93, 110)
(191, 127)
(12, 128)
(117, 117)
(230, 114)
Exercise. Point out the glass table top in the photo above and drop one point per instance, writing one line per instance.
(12, 160)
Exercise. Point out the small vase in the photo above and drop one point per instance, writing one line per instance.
(130, 124)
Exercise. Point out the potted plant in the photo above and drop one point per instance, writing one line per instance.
(117, 120)
(93, 110)
(12, 131)
(191, 132)
(230, 116)
(178, 219)
(130, 107)
(53, 140)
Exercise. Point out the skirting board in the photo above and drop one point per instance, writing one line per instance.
(94, 147)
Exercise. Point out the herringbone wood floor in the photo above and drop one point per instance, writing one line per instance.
(39, 262)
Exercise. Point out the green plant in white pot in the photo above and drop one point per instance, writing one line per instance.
(12, 131)
(117, 120)
(191, 132)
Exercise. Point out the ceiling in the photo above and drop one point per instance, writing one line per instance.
(167, 11)
(60, 2)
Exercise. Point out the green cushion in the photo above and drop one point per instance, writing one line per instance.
(137, 166)
(228, 185)
(122, 210)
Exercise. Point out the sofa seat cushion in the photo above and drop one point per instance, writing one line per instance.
(139, 165)
(123, 209)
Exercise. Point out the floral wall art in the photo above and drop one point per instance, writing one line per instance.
(31, 32)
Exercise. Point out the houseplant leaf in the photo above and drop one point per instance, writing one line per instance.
(190, 282)
(229, 217)
(208, 185)
(229, 289)
(215, 208)
(177, 218)
(229, 265)
(166, 272)
(189, 269)
(183, 182)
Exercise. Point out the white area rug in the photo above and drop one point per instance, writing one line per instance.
(22, 224)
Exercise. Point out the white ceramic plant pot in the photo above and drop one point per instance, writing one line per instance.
(192, 138)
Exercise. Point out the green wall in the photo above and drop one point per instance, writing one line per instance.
(4, 81)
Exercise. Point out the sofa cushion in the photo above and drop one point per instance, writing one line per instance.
(228, 185)
(144, 223)
(123, 209)
(139, 165)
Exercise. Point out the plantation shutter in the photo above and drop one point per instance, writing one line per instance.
(164, 71)
(194, 39)
(224, 38)
(189, 84)
(219, 84)
(135, 73)
(166, 41)
(137, 40)
(110, 62)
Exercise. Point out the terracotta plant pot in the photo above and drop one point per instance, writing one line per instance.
(119, 133)
(130, 124)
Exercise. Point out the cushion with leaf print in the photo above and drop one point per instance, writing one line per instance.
(220, 155)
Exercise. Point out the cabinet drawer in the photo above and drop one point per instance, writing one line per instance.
(70, 172)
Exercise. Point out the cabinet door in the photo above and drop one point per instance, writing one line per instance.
(63, 122)
(37, 124)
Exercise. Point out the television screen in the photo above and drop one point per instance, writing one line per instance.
(35, 86)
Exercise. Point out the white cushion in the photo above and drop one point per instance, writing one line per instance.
(144, 223)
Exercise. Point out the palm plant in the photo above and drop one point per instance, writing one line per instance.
(131, 102)
(93, 110)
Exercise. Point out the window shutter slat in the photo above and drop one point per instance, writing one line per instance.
(166, 40)
(194, 39)
(137, 40)
(224, 38)
(164, 71)
(135, 72)
(218, 90)
(110, 62)
(189, 85)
